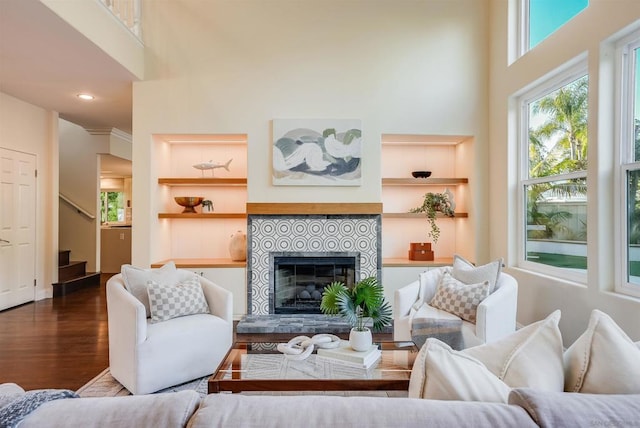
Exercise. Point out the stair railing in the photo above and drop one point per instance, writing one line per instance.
(77, 207)
(128, 12)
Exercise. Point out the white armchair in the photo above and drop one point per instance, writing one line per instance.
(495, 318)
(146, 357)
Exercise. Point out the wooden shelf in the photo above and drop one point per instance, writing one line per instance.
(313, 208)
(423, 181)
(421, 215)
(203, 181)
(400, 262)
(209, 216)
(201, 263)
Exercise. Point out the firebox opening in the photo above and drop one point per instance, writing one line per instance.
(300, 280)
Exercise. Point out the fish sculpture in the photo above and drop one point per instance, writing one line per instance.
(203, 166)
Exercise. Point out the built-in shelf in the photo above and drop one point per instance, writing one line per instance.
(421, 215)
(400, 262)
(203, 181)
(202, 263)
(423, 181)
(209, 216)
(313, 208)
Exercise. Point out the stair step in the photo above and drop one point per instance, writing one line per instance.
(63, 257)
(63, 288)
(73, 269)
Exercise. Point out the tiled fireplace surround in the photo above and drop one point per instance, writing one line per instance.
(301, 234)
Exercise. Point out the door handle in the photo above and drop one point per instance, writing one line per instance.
(4, 240)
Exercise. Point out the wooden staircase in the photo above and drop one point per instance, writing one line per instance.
(73, 275)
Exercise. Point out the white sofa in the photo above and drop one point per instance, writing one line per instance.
(146, 357)
(496, 315)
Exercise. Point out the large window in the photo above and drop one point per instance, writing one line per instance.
(540, 18)
(630, 157)
(554, 176)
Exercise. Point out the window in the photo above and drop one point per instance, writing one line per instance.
(630, 158)
(112, 207)
(554, 176)
(540, 18)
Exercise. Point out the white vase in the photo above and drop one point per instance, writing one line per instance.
(360, 340)
(238, 247)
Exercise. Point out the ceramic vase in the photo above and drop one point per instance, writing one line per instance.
(238, 247)
(360, 340)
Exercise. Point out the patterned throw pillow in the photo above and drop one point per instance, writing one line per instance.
(458, 298)
(172, 301)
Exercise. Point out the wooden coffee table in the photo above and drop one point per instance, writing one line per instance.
(258, 366)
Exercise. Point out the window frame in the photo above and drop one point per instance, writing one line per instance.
(557, 79)
(626, 61)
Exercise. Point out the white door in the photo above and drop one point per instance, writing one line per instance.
(17, 227)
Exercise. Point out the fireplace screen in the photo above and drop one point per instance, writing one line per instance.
(300, 281)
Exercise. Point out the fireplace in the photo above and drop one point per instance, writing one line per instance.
(356, 236)
(300, 278)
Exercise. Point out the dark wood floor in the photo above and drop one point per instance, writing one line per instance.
(55, 343)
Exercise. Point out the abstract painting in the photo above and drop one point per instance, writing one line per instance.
(317, 152)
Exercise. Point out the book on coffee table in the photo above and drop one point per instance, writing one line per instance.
(344, 354)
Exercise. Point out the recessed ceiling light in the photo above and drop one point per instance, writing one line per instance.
(86, 97)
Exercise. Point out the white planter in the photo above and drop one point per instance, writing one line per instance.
(360, 340)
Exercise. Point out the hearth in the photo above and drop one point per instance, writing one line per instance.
(300, 278)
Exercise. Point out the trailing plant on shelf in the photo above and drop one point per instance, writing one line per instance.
(363, 301)
(431, 205)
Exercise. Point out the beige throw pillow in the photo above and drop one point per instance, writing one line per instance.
(465, 271)
(458, 298)
(136, 279)
(603, 360)
(440, 373)
(530, 357)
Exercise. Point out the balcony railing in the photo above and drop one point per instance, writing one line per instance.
(127, 11)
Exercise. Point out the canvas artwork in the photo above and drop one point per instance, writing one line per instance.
(317, 152)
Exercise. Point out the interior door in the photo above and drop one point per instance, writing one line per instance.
(17, 227)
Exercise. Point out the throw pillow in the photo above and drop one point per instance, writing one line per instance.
(603, 360)
(440, 373)
(530, 357)
(465, 271)
(136, 279)
(458, 298)
(172, 301)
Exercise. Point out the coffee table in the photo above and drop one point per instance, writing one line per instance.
(258, 366)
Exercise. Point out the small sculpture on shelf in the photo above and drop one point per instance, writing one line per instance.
(207, 205)
(211, 165)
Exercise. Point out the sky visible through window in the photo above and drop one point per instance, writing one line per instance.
(546, 16)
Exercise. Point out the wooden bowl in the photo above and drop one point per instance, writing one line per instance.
(189, 202)
(421, 174)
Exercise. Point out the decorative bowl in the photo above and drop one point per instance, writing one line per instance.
(188, 202)
(421, 174)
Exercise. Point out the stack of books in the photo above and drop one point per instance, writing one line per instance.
(344, 354)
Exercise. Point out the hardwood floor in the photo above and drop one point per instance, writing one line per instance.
(55, 343)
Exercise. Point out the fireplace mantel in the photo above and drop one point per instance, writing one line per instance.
(284, 208)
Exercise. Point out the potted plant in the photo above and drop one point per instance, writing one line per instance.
(432, 204)
(362, 302)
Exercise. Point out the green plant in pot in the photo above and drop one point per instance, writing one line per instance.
(364, 301)
(431, 205)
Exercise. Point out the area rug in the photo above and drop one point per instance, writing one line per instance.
(104, 385)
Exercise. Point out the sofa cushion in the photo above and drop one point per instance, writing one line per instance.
(465, 271)
(458, 298)
(140, 411)
(562, 409)
(136, 280)
(440, 373)
(603, 360)
(176, 300)
(530, 357)
(231, 410)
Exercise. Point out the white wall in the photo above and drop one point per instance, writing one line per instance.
(80, 182)
(30, 129)
(540, 295)
(402, 67)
